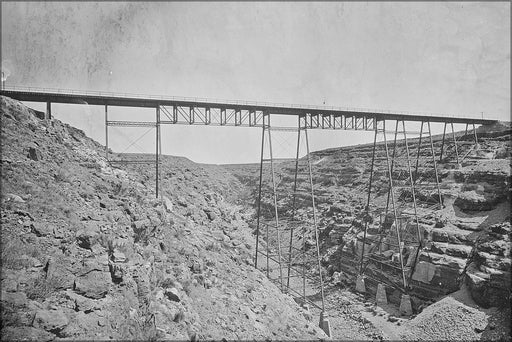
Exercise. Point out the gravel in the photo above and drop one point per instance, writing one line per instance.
(448, 319)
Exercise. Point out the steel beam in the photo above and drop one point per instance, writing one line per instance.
(435, 166)
(48, 110)
(413, 192)
(157, 152)
(367, 209)
(134, 100)
(392, 195)
(455, 143)
(274, 190)
(259, 195)
(315, 220)
(106, 132)
(294, 201)
(442, 143)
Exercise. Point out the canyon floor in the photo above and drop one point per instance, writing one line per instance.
(89, 253)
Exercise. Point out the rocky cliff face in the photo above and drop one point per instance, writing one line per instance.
(466, 241)
(89, 253)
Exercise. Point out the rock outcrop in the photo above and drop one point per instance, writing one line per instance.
(476, 196)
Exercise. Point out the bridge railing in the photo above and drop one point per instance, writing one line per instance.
(62, 91)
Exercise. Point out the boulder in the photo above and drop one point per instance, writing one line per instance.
(424, 272)
(172, 294)
(99, 263)
(212, 216)
(439, 270)
(94, 284)
(34, 154)
(14, 198)
(338, 208)
(50, 320)
(82, 303)
(486, 292)
(167, 204)
(87, 236)
(473, 201)
(42, 228)
(118, 256)
(59, 270)
(501, 228)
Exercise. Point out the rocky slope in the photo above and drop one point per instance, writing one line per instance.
(466, 242)
(89, 253)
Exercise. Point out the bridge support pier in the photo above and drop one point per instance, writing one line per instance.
(408, 170)
(48, 110)
(158, 148)
(286, 256)
(106, 132)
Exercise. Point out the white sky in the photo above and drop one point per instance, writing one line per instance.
(451, 58)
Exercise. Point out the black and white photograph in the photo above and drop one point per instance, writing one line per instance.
(255, 171)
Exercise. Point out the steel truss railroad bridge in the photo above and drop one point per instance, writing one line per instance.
(282, 258)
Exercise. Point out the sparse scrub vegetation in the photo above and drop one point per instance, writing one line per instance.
(15, 253)
(62, 175)
(42, 287)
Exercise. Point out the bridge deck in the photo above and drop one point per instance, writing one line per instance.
(194, 105)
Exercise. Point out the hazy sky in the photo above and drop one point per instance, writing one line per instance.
(451, 58)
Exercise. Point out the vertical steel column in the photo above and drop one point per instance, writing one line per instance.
(293, 204)
(267, 251)
(455, 142)
(315, 220)
(106, 132)
(442, 143)
(259, 196)
(418, 155)
(223, 117)
(304, 263)
(160, 141)
(367, 209)
(392, 160)
(304, 244)
(266, 224)
(175, 114)
(413, 203)
(435, 166)
(157, 144)
(48, 110)
(474, 133)
(274, 189)
(392, 195)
